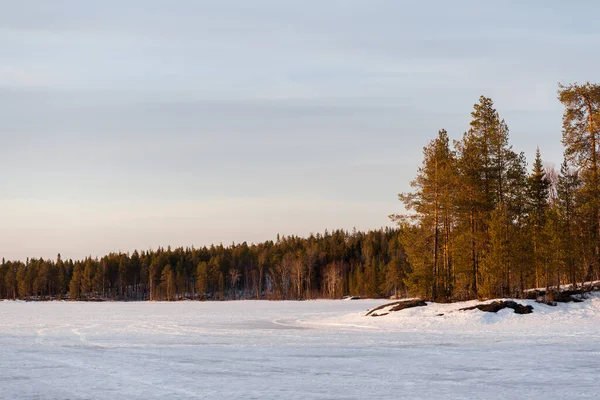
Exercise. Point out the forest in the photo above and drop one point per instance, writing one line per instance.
(479, 223)
(482, 225)
(327, 265)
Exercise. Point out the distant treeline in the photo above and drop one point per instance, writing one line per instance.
(327, 265)
(482, 225)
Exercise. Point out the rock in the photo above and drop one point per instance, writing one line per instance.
(496, 306)
(546, 302)
(379, 315)
(408, 304)
(564, 297)
(397, 306)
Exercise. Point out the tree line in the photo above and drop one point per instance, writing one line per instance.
(329, 265)
(481, 224)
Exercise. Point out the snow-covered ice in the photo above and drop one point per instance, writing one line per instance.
(295, 350)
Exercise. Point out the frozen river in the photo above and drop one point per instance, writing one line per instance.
(295, 350)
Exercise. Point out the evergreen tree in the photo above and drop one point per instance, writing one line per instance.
(10, 280)
(581, 136)
(495, 258)
(517, 233)
(75, 285)
(432, 203)
(202, 279)
(24, 280)
(568, 186)
(485, 162)
(538, 196)
(167, 283)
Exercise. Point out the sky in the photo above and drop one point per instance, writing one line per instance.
(134, 124)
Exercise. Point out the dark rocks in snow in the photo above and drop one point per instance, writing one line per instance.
(547, 302)
(379, 315)
(496, 306)
(552, 297)
(542, 295)
(408, 304)
(565, 296)
(396, 306)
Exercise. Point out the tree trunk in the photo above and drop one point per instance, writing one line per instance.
(473, 250)
(595, 194)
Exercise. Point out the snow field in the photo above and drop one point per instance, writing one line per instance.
(295, 350)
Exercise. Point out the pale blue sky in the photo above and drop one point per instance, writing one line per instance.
(134, 124)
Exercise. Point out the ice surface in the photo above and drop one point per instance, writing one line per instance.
(295, 350)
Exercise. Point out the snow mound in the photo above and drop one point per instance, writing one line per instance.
(565, 318)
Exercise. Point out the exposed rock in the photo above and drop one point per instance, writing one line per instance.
(379, 315)
(547, 302)
(496, 306)
(564, 297)
(396, 306)
(552, 297)
(408, 304)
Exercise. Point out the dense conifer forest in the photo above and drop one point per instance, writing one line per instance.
(480, 223)
(483, 224)
(327, 265)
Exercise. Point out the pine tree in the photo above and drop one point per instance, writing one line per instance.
(75, 285)
(581, 137)
(485, 160)
(551, 249)
(432, 203)
(234, 278)
(10, 280)
(167, 282)
(517, 235)
(24, 280)
(490, 136)
(538, 196)
(87, 278)
(568, 186)
(202, 279)
(395, 270)
(221, 285)
(495, 257)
